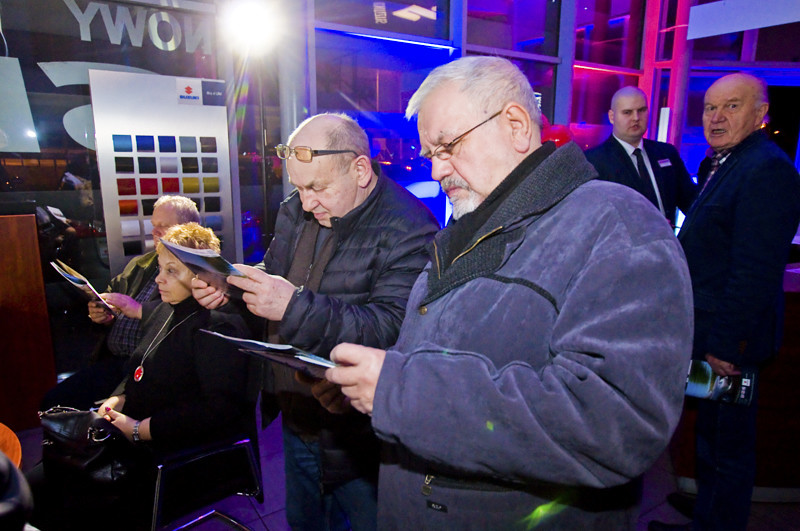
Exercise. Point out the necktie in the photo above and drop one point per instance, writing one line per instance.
(647, 185)
(716, 162)
(640, 166)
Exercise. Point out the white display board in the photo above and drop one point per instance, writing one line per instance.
(159, 135)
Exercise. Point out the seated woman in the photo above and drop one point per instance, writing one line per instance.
(183, 388)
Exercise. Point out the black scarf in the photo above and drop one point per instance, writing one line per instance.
(463, 229)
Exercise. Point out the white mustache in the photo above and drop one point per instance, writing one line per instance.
(454, 182)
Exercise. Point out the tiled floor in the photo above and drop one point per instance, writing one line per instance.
(270, 516)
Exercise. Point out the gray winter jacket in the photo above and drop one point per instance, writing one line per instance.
(542, 372)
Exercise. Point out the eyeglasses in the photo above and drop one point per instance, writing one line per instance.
(445, 151)
(306, 154)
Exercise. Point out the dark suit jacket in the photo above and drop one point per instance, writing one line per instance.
(736, 238)
(674, 183)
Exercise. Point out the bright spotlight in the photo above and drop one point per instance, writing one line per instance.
(251, 27)
(30, 133)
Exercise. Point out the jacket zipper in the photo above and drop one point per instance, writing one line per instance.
(436, 249)
(426, 485)
(468, 484)
(471, 247)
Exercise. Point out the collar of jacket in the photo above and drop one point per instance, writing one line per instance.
(752, 139)
(547, 185)
(460, 232)
(186, 306)
(549, 182)
(755, 138)
(148, 264)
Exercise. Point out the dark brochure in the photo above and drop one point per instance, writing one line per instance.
(208, 265)
(300, 360)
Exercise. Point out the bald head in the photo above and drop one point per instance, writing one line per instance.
(331, 185)
(626, 92)
(733, 108)
(339, 131)
(628, 115)
(752, 84)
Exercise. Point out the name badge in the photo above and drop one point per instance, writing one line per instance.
(664, 163)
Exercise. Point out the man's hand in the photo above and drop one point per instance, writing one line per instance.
(208, 296)
(330, 396)
(723, 368)
(265, 295)
(99, 314)
(357, 373)
(126, 305)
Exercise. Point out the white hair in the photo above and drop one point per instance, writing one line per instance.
(184, 208)
(490, 82)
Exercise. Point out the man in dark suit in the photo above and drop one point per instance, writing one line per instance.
(736, 238)
(654, 169)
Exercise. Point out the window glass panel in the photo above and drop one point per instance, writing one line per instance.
(609, 32)
(591, 99)
(525, 26)
(365, 74)
(424, 19)
(47, 49)
(372, 80)
(667, 30)
(260, 186)
(542, 78)
(727, 47)
(772, 43)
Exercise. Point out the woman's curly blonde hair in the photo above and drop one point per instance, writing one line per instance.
(191, 235)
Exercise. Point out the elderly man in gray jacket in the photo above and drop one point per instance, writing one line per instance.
(541, 364)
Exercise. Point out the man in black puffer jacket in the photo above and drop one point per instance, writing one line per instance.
(348, 246)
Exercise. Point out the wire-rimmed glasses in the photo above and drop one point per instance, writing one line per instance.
(445, 151)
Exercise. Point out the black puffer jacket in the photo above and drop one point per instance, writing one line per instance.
(379, 252)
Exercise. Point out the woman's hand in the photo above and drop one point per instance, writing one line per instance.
(126, 305)
(113, 402)
(99, 314)
(207, 296)
(121, 421)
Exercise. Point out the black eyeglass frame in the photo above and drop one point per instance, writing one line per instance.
(445, 151)
(285, 152)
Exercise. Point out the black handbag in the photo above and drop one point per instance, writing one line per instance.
(85, 444)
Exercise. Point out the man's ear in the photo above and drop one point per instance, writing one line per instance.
(363, 168)
(761, 112)
(521, 126)
(611, 117)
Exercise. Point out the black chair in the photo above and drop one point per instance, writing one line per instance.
(191, 479)
(209, 474)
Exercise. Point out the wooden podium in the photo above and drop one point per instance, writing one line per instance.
(27, 369)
